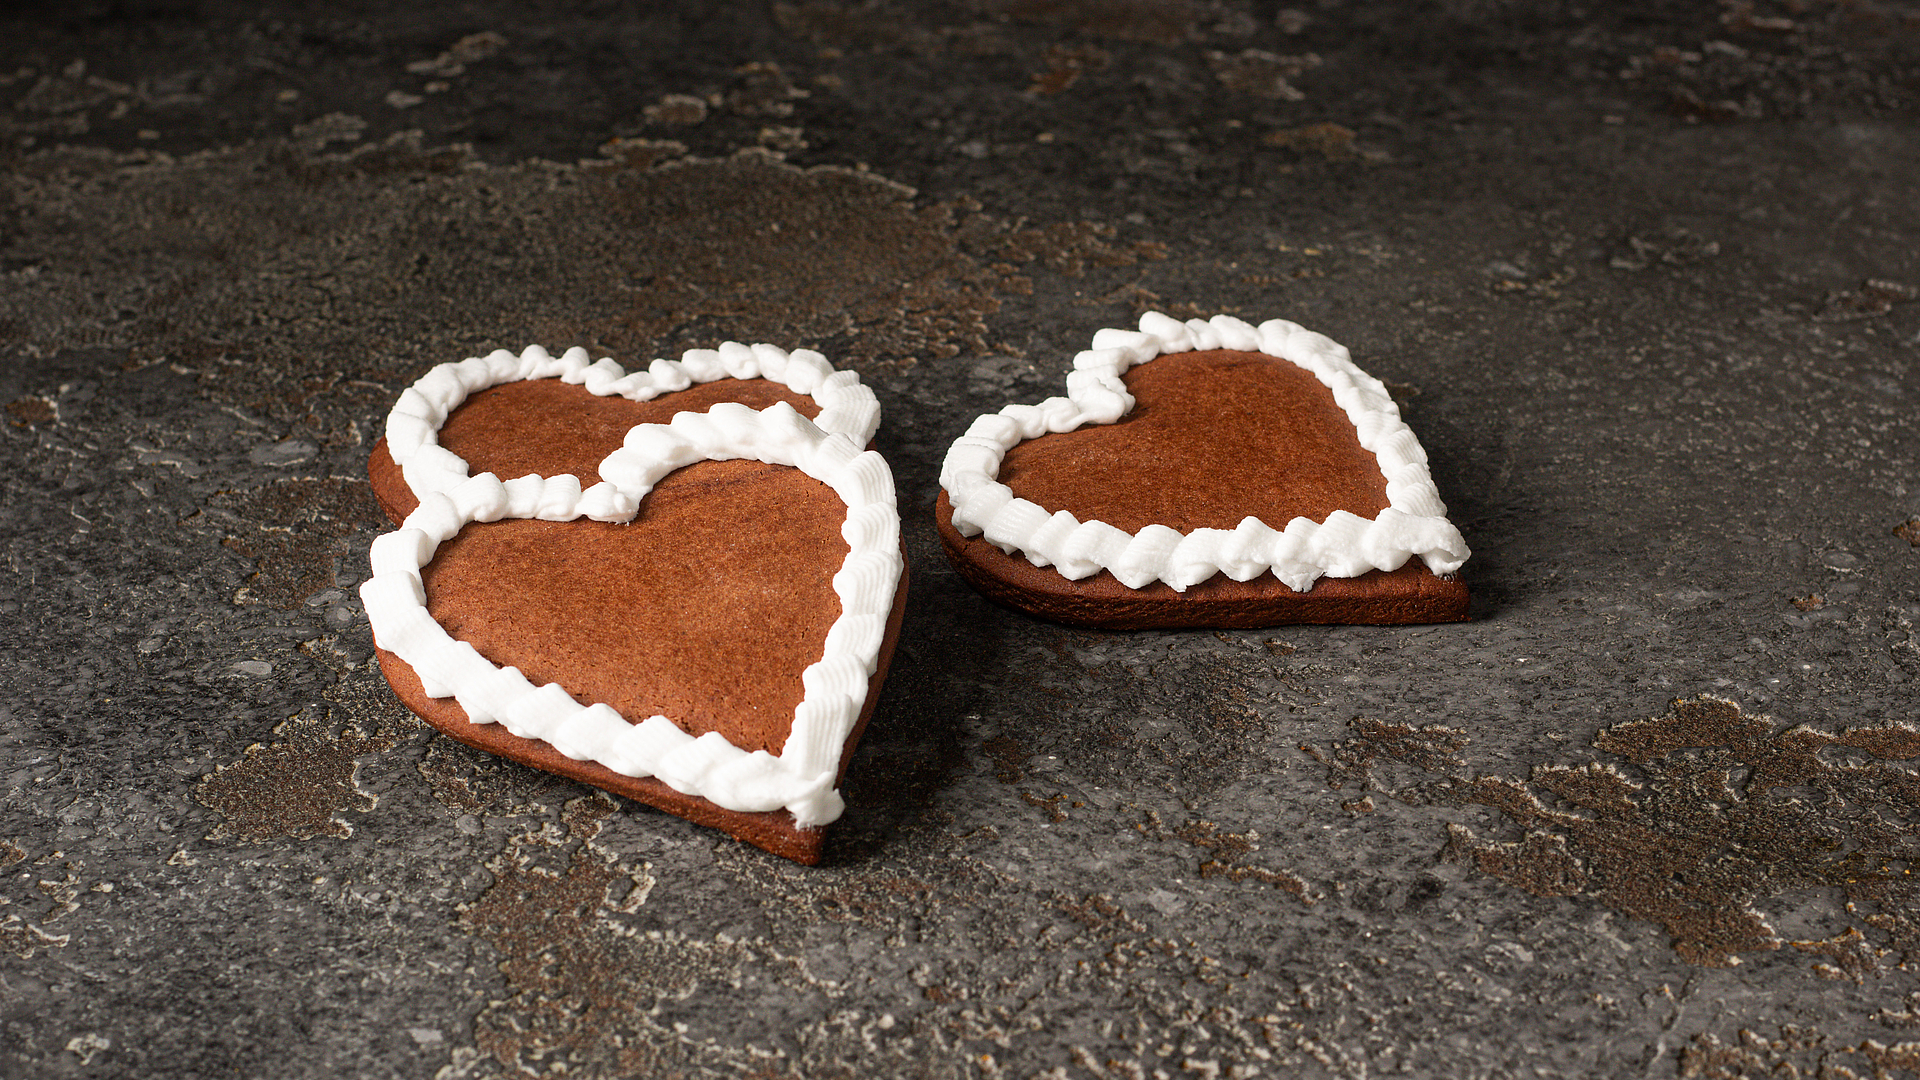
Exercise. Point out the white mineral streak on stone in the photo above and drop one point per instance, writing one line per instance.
(1299, 554)
(413, 427)
(800, 778)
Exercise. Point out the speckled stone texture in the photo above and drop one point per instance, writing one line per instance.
(1644, 277)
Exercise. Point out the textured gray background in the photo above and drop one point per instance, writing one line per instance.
(1643, 276)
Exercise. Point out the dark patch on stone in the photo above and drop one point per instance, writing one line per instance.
(592, 986)
(874, 894)
(470, 49)
(468, 781)
(300, 784)
(1065, 65)
(24, 933)
(1263, 74)
(1794, 1051)
(1870, 299)
(1753, 65)
(1099, 913)
(1009, 758)
(1229, 858)
(33, 411)
(1161, 22)
(1052, 805)
(1326, 140)
(398, 156)
(22, 939)
(296, 787)
(1433, 749)
(1849, 955)
(1672, 247)
(1684, 102)
(1908, 1017)
(1388, 897)
(843, 26)
(304, 533)
(753, 249)
(1724, 814)
(639, 254)
(1067, 248)
(1187, 722)
(575, 983)
(762, 89)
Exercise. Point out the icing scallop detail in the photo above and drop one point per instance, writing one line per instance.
(1414, 524)
(801, 777)
(413, 427)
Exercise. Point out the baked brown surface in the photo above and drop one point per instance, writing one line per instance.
(696, 610)
(549, 427)
(1213, 438)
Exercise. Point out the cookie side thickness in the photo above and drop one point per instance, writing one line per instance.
(1343, 546)
(412, 427)
(801, 778)
(1409, 595)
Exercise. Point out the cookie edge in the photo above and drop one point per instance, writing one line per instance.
(774, 831)
(1101, 602)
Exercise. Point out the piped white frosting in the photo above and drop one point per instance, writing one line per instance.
(801, 777)
(1414, 524)
(413, 427)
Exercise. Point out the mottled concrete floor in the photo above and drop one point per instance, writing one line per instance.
(1645, 276)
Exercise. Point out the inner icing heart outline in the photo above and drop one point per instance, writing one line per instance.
(846, 405)
(802, 776)
(1344, 545)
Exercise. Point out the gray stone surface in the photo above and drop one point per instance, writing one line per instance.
(1643, 275)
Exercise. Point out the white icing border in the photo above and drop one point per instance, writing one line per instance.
(801, 777)
(1345, 545)
(413, 427)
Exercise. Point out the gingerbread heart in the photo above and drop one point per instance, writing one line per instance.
(706, 629)
(1204, 473)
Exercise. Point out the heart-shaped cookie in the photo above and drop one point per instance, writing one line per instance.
(706, 629)
(1204, 473)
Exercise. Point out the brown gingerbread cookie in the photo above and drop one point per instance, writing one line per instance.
(705, 629)
(1206, 473)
